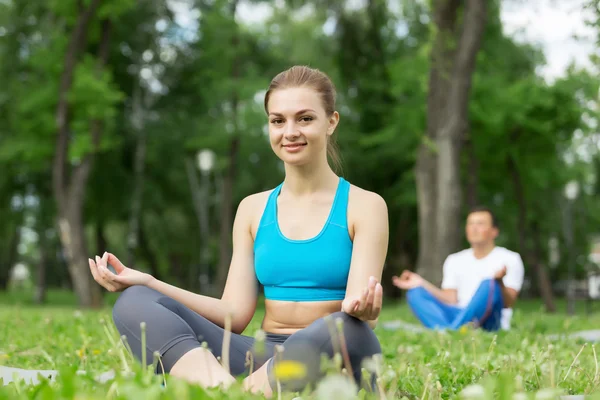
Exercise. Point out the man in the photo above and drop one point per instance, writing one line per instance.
(479, 285)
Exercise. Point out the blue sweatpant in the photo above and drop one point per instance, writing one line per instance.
(484, 310)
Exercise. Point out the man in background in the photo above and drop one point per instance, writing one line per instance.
(480, 284)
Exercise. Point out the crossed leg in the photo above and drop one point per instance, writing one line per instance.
(176, 333)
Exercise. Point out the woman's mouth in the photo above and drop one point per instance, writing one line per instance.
(294, 147)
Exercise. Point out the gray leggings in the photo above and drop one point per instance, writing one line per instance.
(172, 329)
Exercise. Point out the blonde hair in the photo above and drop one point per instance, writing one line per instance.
(303, 76)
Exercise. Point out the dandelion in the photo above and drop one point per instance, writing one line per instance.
(336, 387)
(473, 392)
(289, 370)
(96, 352)
(547, 394)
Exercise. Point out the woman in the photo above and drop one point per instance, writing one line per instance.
(316, 243)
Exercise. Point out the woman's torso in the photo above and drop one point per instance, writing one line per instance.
(302, 256)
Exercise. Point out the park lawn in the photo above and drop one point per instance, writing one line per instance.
(421, 365)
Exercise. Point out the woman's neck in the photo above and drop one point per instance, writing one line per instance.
(307, 179)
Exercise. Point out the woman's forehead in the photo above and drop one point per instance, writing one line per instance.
(285, 101)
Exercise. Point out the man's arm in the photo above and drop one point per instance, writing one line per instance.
(509, 295)
(447, 296)
(410, 280)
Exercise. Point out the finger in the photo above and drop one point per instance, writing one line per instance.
(105, 275)
(377, 301)
(370, 296)
(363, 300)
(94, 270)
(115, 262)
(105, 259)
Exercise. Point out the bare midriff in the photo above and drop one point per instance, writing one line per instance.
(288, 317)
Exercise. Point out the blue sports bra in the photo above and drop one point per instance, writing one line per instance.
(314, 269)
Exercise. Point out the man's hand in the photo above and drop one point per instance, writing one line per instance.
(500, 274)
(408, 280)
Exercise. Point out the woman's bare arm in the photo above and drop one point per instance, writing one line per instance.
(240, 293)
(369, 214)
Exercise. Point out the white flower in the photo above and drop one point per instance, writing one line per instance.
(336, 387)
(473, 392)
(547, 394)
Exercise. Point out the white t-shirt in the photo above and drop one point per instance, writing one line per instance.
(464, 272)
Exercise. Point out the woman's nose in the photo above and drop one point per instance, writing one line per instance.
(291, 130)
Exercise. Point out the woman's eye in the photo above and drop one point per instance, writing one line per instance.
(276, 121)
(306, 119)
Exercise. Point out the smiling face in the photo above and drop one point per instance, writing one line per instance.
(299, 126)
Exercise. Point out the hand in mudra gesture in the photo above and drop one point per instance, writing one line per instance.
(368, 306)
(501, 273)
(408, 280)
(123, 278)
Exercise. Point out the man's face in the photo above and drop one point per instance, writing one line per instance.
(480, 229)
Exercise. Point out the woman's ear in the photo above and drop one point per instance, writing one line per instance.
(333, 122)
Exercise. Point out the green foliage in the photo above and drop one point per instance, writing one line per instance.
(377, 56)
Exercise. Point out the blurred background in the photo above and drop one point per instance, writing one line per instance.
(136, 127)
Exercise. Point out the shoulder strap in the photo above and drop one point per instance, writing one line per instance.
(340, 210)
(270, 212)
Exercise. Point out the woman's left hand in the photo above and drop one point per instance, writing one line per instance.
(368, 306)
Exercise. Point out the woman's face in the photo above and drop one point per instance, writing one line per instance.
(299, 126)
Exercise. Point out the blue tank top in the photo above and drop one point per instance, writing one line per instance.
(314, 269)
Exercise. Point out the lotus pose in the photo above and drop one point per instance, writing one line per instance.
(308, 242)
(480, 285)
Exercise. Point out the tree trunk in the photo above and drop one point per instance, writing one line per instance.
(101, 243)
(70, 193)
(532, 258)
(12, 257)
(540, 269)
(148, 254)
(40, 281)
(200, 203)
(139, 174)
(225, 239)
(473, 175)
(438, 161)
(400, 258)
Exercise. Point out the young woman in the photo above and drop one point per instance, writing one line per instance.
(316, 243)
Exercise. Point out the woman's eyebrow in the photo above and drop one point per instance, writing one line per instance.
(298, 113)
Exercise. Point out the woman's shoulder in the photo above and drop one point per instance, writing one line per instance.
(255, 202)
(359, 198)
(367, 213)
(251, 208)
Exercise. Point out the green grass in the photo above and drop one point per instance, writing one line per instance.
(427, 365)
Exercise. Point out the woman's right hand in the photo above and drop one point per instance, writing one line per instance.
(123, 278)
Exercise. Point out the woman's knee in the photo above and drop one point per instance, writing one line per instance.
(338, 332)
(359, 337)
(131, 301)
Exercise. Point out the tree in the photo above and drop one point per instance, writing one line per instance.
(452, 64)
